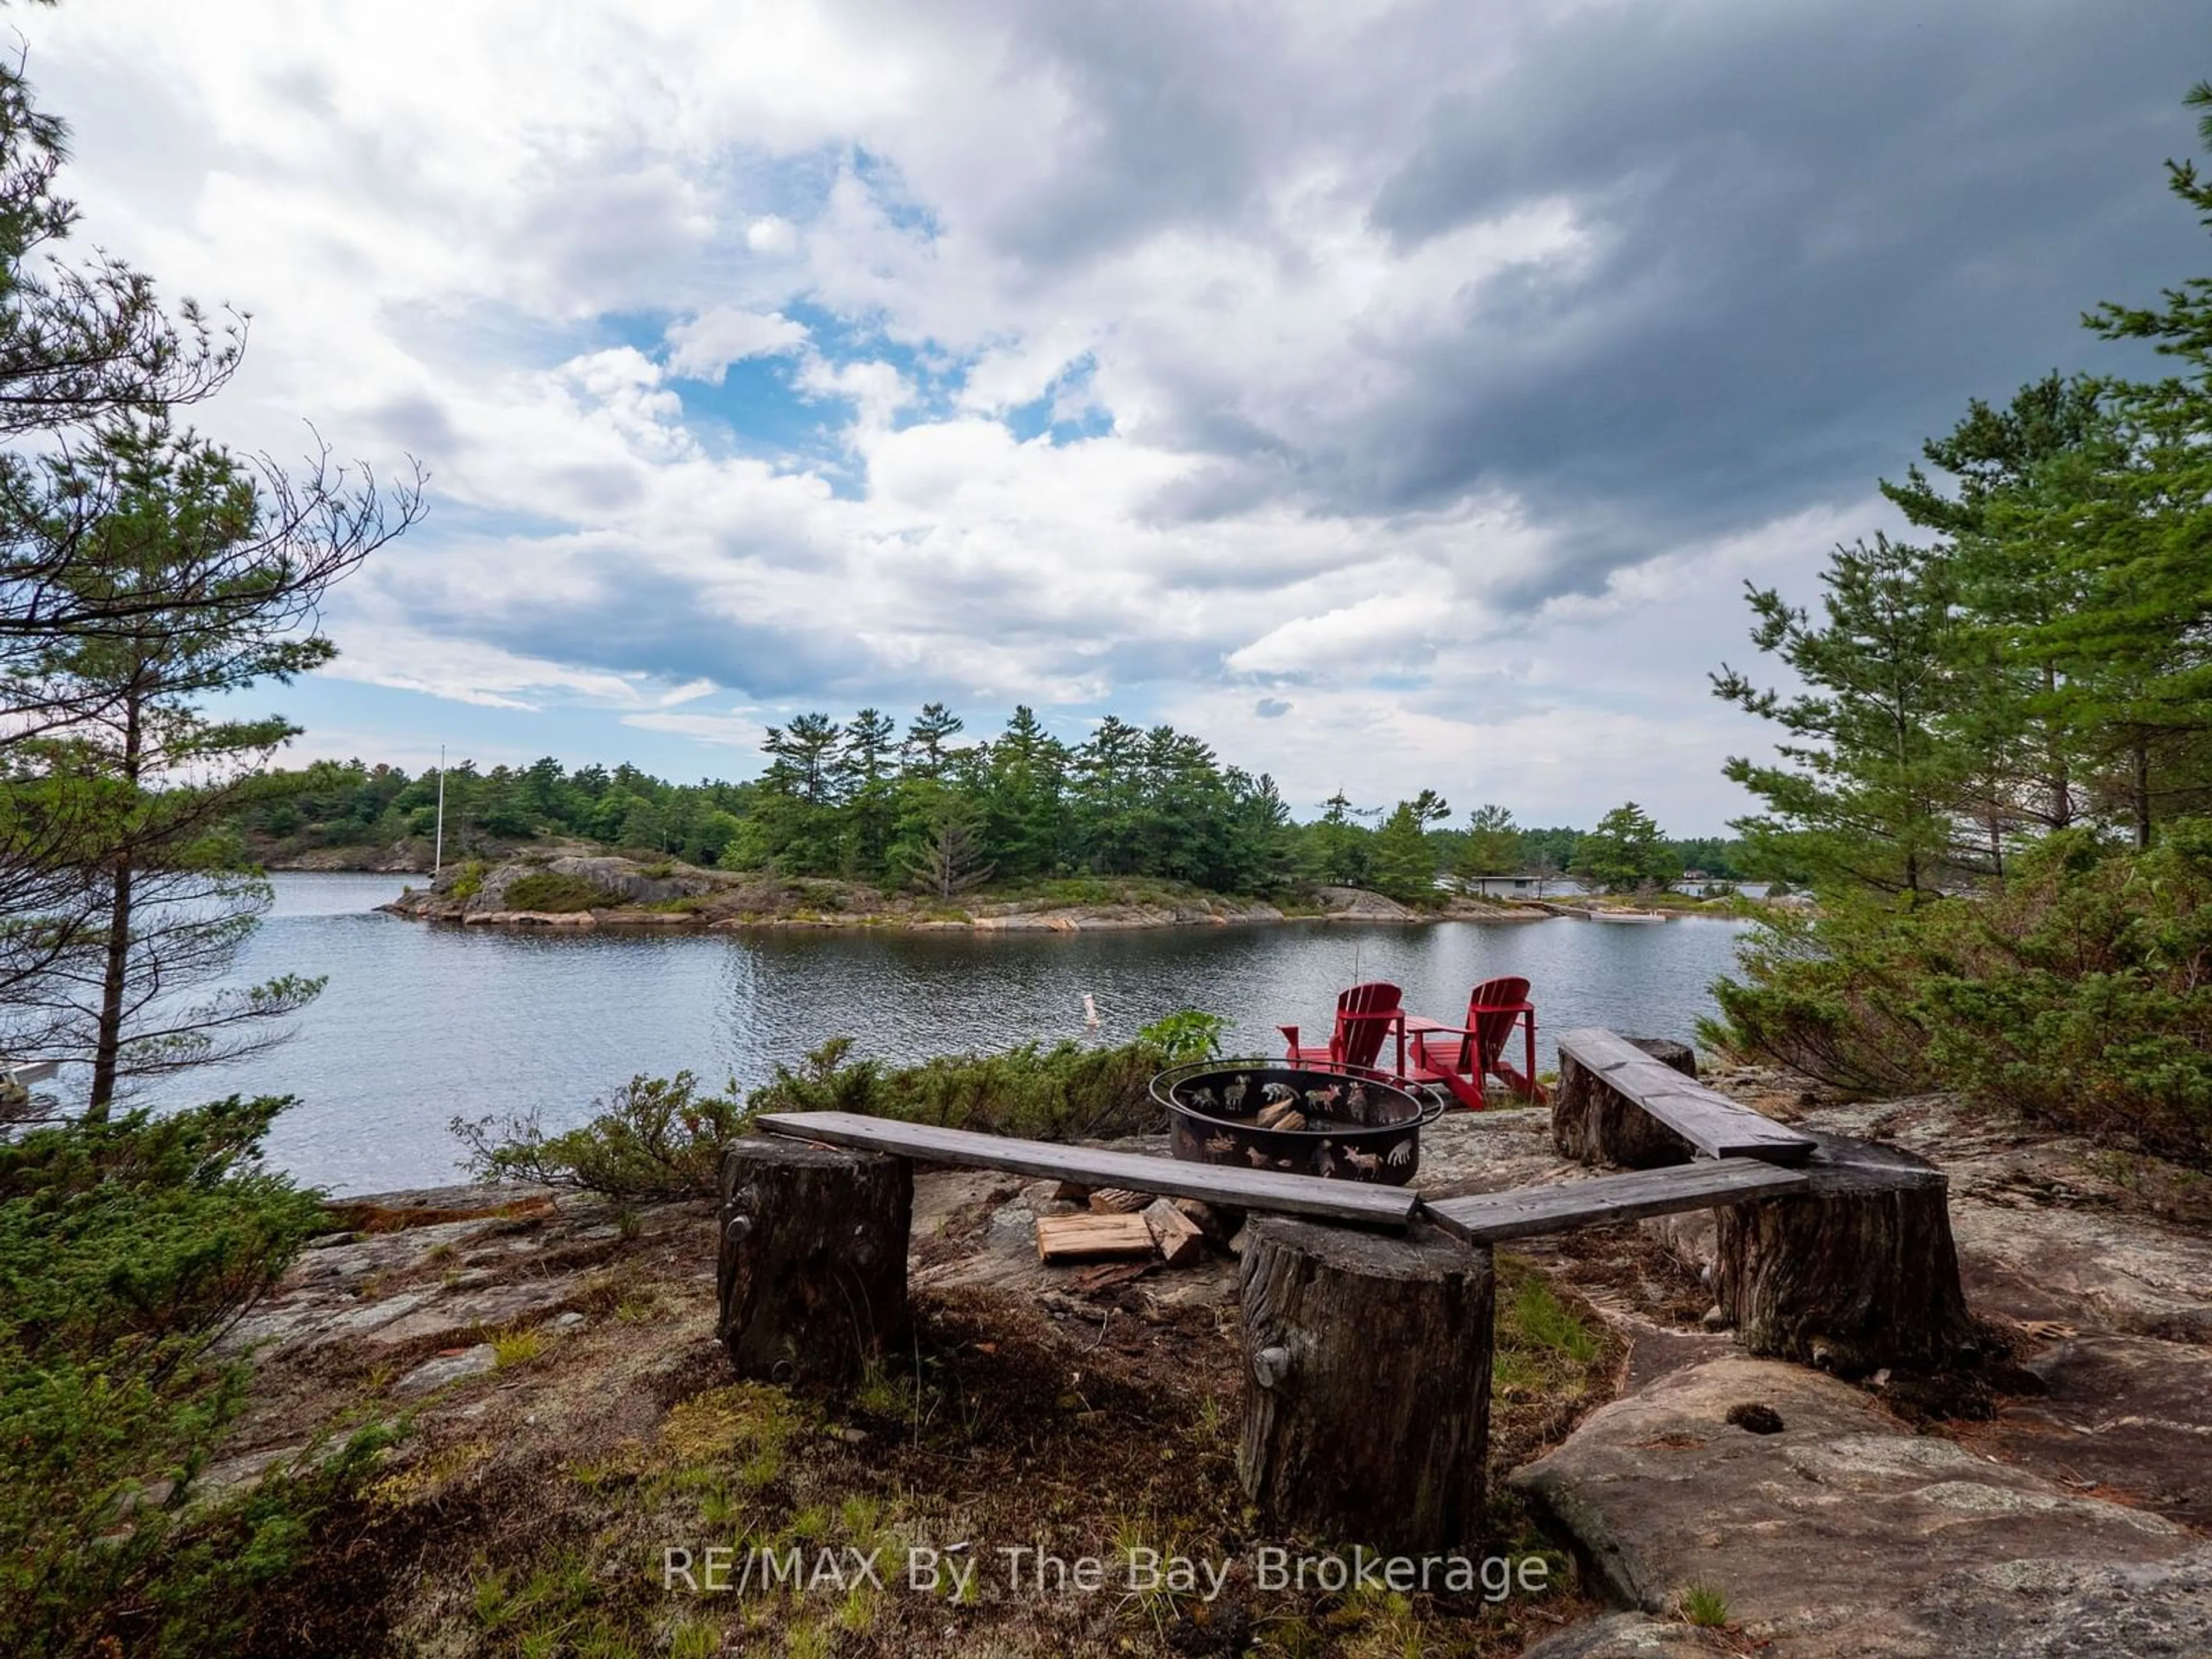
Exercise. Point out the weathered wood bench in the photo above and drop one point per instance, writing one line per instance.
(1601, 1074)
(1850, 1266)
(1530, 1212)
(1367, 1312)
(1346, 1202)
(1366, 1331)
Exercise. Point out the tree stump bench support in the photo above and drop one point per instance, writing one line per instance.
(811, 1272)
(1367, 1333)
(815, 1213)
(1618, 1104)
(1853, 1269)
(1854, 1274)
(1366, 1382)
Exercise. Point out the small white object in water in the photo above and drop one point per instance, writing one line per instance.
(1090, 1012)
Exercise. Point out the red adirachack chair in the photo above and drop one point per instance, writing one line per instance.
(1459, 1057)
(1365, 1016)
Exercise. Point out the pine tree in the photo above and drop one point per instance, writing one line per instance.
(1492, 846)
(2019, 687)
(163, 775)
(1341, 850)
(800, 795)
(927, 753)
(1023, 805)
(941, 851)
(1868, 791)
(1404, 860)
(2143, 539)
(868, 786)
(1624, 851)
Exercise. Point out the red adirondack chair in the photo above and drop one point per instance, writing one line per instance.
(1460, 1056)
(1365, 1016)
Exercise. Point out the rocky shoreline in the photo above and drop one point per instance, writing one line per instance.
(597, 890)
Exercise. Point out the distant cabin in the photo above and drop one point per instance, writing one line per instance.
(1527, 883)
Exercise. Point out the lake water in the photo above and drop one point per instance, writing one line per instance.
(419, 1024)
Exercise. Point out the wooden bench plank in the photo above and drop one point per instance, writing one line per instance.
(1487, 1217)
(1248, 1189)
(1601, 1051)
(1708, 1119)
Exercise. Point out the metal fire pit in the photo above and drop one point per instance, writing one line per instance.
(1360, 1125)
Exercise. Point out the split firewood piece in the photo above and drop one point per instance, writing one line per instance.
(1219, 1225)
(1180, 1239)
(1072, 1237)
(1118, 1200)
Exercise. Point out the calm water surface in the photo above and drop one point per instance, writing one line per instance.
(420, 1024)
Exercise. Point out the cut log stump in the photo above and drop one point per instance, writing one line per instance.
(1366, 1382)
(1593, 1124)
(1857, 1273)
(812, 1269)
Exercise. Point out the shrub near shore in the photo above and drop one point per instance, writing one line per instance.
(126, 1249)
(2079, 993)
(660, 1137)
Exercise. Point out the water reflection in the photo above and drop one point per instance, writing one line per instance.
(420, 1024)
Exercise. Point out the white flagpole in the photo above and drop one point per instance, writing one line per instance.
(438, 853)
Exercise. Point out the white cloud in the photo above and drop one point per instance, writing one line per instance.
(467, 671)
(703, 347)
(723, 731)
(772, 236)
(877, 389)
(519, 251)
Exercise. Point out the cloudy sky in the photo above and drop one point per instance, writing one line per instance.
(1393, 394)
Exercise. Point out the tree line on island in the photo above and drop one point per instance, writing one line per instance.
(922, 809)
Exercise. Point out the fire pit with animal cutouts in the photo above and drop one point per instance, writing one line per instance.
(1341, 1122)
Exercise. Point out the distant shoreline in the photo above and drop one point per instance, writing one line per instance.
(578, 887)
(571, 888)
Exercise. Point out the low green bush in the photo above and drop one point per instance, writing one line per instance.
(652, 1137)
(555, 892)
(2077, 994)
(126, 1249)
(1063, 1092)
(660, 1137)
(1185, 1035)
(1830, 995)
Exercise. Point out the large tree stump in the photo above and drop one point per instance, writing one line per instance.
(1856, 1273)
(1593, 1124)
(812, 1264)
(1366, 1381)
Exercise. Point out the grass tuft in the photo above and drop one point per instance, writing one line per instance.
(1705, 1606)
